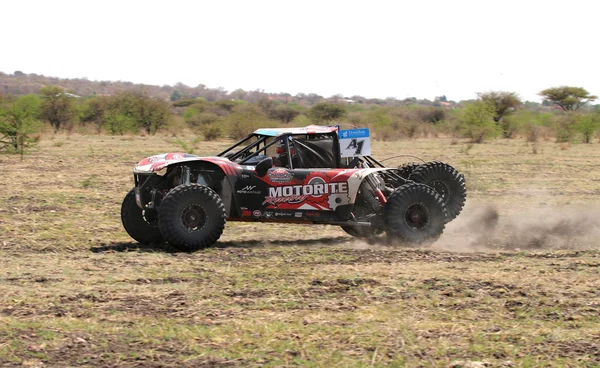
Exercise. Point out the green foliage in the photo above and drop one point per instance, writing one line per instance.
(18, 123)
(567, 98)
(152, 115)
(478, 122)
(587, 125)
(284, 113)
(211, 132)
(229, 104)
(188, 101)
(378, 117)
(325, 112)
(244, 119)
(175, 96)
(118, 123)
(92, 111)
(203, 119)
(504, 103)
(564, 127)
(188, 147)
(189, 113)
(130, 112)
(528, 123)
(58, 107)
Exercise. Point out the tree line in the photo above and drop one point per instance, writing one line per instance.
(566, 116)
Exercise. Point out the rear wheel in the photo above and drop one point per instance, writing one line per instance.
(405, 170)
(141, 225)
(414, 213)
(191, 217)
(445, 180)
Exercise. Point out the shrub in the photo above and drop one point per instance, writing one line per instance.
(587, 125)
(478, 122)
(211, 132)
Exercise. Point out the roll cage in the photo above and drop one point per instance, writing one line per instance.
(257, 145)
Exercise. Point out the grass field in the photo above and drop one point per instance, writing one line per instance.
(513, 282)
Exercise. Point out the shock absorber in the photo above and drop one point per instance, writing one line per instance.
(375, 187)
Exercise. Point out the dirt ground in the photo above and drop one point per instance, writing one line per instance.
(513, 282)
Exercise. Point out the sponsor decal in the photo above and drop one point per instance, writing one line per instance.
(312, 214)
(174, 156)
(246, 213)
(268, 215)
(249, 189)
(280, 176)
(298, 214)
(355, 142)
(283, 214)
(245, 176)
(299, 193)
(256, 213)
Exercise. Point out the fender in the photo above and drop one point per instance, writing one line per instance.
(155, 164)
(158, 165)
(356, 179)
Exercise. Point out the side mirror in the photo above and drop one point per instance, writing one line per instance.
(264, 166)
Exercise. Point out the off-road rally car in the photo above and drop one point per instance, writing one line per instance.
(310, 175)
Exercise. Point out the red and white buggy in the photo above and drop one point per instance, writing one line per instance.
(310, 175)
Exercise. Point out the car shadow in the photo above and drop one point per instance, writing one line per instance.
(166, 248)
(133, 247)
(297, 242)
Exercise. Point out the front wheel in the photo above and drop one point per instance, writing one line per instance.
(191, 217)
(140, 224)
(414, 213)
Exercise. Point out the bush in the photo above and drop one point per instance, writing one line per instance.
(587, 125)
(565, 128)
(211, 132)
(18, 123)
(325, 112)
(244, 119)
(478, 122)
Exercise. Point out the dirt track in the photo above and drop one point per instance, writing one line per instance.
(512, 282)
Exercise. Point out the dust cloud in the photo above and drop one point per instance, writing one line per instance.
(481, 228)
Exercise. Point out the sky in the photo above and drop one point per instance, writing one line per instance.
(375, 48)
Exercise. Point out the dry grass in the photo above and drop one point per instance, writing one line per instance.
(513, 282)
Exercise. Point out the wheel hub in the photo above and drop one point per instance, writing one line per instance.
(193, 217)
(416, 216)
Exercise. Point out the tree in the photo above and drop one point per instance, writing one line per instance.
(58, 108)
(244, 119)
(93, 111)
(587, 125)
(478, 121)
(18, 122)
(503, 103)
(175, 96)
(152, 115)
(567, 98)
(326, 112)
(284, 113)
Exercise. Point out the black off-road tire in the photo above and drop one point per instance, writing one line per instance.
(414, 214)
(191, 217)
(405, 170)
(141, 225)
(447, 181)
